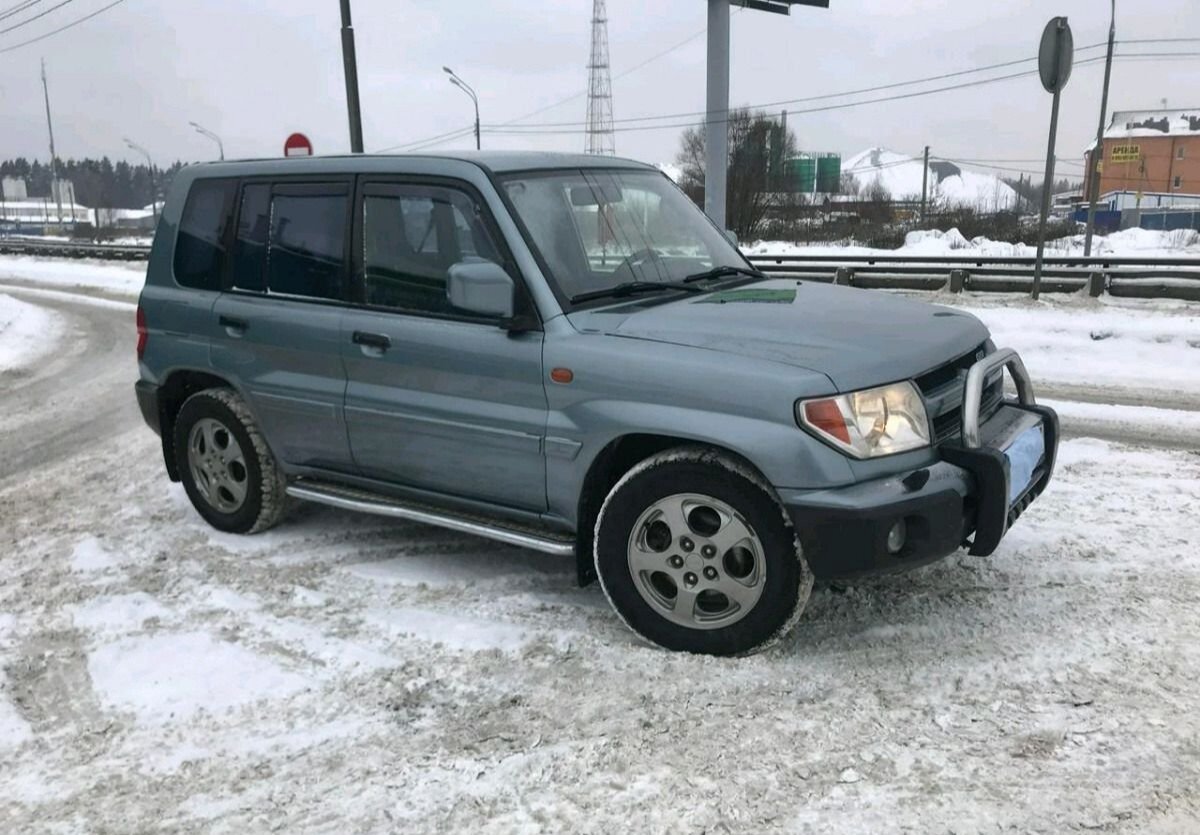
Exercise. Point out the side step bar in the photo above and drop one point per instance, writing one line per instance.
(349, 498)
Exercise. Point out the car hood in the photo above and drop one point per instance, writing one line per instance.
(857, 338)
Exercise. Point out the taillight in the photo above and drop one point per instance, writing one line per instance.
(141, 332)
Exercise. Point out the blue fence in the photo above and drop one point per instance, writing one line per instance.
(1171, 220)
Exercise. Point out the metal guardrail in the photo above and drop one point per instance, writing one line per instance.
(73, 249)
(1170, 278)
(1173, 278)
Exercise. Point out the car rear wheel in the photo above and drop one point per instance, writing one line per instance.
(226, 467)
(696, 554)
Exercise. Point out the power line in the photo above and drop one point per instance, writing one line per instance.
(452, 134)
(519, 130)
(17, 9)
(70, 25)
(37, 16)
(825, 96)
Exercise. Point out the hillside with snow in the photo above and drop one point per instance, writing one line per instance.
(901, 175)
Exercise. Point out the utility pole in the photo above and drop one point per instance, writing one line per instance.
(924, 185)
(350, 60)
(1097, 156)
(716, 128)
(54, 187)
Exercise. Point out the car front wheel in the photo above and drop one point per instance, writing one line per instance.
(696, 554)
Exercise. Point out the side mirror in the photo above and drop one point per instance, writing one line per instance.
(480, 286)
(731, 236)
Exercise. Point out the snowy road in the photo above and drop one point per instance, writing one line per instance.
(350, 674)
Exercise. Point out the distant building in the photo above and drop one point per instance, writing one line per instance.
(13, 188)
(1149, 152)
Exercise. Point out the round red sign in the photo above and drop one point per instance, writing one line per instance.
(297, 145)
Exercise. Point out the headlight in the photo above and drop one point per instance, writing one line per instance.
(869, 423)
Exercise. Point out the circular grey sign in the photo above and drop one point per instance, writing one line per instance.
(1056, 55)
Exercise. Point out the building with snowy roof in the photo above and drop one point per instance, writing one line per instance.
(1150, 152)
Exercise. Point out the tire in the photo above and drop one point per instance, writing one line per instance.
(227, 469)
(737, 597)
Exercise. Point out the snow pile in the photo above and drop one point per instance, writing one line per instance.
(1134, 243)
(26, 332)
(902, 176)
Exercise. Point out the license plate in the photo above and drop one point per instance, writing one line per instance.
(1024, 455)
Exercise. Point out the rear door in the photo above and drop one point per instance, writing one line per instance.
(279, 321)
(437, 398)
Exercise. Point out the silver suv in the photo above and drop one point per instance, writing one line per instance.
(562, 353)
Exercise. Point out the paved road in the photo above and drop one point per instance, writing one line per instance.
(80, 395)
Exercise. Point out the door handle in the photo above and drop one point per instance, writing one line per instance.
(378, 341)
(234, 327)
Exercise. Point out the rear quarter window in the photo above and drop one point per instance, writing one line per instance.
(200, 246)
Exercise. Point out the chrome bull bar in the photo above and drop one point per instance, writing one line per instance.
(973, 389)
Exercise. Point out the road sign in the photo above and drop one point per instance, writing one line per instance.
(1057, 54)
(1055, 57)
(297, 145)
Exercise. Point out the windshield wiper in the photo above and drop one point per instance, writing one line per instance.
(630, 288)
(722, 271)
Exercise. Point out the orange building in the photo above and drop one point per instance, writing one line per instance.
(1150, 152)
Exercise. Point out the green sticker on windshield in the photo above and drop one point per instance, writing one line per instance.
(750, 294)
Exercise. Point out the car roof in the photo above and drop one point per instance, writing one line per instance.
(499, 162)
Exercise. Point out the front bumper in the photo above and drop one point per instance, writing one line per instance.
(965, 499)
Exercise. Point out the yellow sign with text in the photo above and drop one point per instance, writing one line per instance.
(1125, 153)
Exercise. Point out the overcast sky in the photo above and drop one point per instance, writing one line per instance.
(254, 72)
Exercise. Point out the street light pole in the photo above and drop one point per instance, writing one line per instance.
(206, 132)
(466, 88)
(350, 62)
(1098, 152)
(153, 189)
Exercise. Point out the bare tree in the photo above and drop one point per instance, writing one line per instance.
(758, 183)
(875, 203)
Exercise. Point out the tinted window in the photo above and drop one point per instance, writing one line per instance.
(250, 247)
(412, 235)
(307, 245)
(200, 247)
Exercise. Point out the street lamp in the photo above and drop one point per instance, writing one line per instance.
(206, 132)
(153, 190)
(466, 88)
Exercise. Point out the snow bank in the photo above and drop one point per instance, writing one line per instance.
(124, 278)
(26, 332)
(1133, 243)
(1143, 347)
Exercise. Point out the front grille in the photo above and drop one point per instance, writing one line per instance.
(931, 381)
(948, 425)
(942, 388)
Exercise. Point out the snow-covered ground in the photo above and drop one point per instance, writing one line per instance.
(26, 333)
(1133, 243)
(349, 674)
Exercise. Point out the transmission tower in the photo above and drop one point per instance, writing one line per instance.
(600, 137)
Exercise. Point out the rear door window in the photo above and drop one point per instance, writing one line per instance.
(200, 246)
(291, 240)
(253, 233)
(307, 250)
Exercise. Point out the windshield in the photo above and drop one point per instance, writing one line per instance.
(602, 228)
